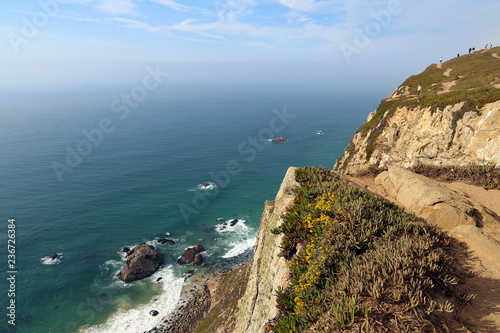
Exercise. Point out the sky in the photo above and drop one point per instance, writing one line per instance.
(54, 43)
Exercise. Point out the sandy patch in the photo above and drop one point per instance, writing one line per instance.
(494, 55)
(447, 72)
(496, 82)
(446, 87)
(438, 65)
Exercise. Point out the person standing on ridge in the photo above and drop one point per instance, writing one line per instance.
(441, 60)
(418, 90)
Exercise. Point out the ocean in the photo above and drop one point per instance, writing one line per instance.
(85, 173)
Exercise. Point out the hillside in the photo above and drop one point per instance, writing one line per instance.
(455, 120)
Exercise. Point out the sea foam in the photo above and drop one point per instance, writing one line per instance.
(139, 319)
(237, 233)
(49, 261)
(240, 248)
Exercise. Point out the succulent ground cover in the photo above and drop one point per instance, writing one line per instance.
(359, 263)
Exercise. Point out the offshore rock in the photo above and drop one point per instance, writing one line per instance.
(278, 140)
(192, 256)
(141, 263)
(166, 241)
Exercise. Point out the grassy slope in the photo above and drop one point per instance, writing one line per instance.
(475, 76)
(363, 264)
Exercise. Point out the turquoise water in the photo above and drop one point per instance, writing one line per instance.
(141, 181)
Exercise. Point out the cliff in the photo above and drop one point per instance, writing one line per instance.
(454, 121)
(268, 270)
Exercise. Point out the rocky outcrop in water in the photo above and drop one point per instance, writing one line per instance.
(142, 262)
(278, 140)
(192, 256)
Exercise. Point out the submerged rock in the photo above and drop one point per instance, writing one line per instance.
(54, 256)
(142, 262)
(164, 241)
(192, 256)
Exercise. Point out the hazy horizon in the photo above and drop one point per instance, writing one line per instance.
(54, 44)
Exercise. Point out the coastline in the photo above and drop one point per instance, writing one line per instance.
(194, 303)
(201, 295)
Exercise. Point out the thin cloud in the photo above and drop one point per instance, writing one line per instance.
(176, 6)
(134, 24)
(303, 5)
(117, 7)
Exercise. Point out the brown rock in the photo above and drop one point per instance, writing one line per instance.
(278, 140)
(192, 256)
(198, 259)
(141, 263)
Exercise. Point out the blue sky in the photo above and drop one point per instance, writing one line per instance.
(61, 42)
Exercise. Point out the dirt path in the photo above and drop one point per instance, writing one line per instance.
(494, 55)
(447, 72)
(446, 87)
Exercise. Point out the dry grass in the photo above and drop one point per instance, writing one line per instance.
(486, 175)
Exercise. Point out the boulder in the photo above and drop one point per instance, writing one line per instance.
(428, 199)
(143, 261)
(54, 256)
(153, 313)
(126, 249)
(192, 255)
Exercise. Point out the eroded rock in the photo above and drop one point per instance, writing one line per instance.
(142, 262)
(192, 255)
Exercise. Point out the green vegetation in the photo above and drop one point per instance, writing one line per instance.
(487, 175)
(230, 290)
(476, 79)
(471, 71)
(360, 263)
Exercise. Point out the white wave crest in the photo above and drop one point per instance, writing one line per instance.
(49, 261)
(240, 248)
(236, 226)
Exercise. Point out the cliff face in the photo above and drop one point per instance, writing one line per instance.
(268, 271)
(454, 121)
(420, 134)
